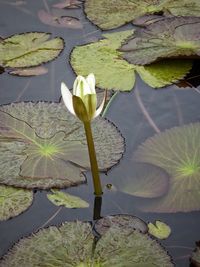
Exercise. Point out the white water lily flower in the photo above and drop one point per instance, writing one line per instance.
(83, 102)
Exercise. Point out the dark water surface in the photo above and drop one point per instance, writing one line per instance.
(166, 107)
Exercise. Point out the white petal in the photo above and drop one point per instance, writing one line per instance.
(91, 82)
(76, 82)
(67, 97)
(100, 108)
(81, 87)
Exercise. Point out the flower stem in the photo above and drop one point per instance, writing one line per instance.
(93, 161)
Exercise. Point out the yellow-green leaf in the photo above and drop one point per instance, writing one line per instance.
(60, 198)
(160, 230)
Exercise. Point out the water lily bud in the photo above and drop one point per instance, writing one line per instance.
(83, 103)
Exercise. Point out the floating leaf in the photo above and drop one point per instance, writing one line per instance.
(72, 244)
(177, 151)
(59, 21)
(59, 198)
(128, 221)
(146, 180)
(160, 229)
(68, 4)
(112, 72)
(13, 201)
(115, 13)
(168, 38)
(165, 72)
(29, 49)
(44, 146)
(195, 259)
(35, 71)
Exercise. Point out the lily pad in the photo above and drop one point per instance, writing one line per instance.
(195, 259)
(146, 180)
(29, 49)
(114, 13)
(160, 230)
(59, 198)
(168, 38)
(13, 201)
(177, 151)
(113, 72)
(44, 146)
(72, 244)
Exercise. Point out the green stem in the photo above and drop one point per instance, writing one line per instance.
(109, 104)
(93, 161)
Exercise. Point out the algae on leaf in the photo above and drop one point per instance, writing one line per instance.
(114, 13)
(173, 37)
(113, 72)
(60, 198)
(29, 49)
(43, 146)
(73, 244)
(13, 201)
(177, 151)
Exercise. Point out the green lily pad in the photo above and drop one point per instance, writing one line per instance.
(195, 258)
(146, 180)
(168, 38)
(29, 49)
(13, 201)
(177, 151)
(44, 146)
(114, 13)
(72, 244)
(113, 72)
(59, 198)
(160, 230)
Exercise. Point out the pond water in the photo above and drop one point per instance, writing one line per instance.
(138, 115)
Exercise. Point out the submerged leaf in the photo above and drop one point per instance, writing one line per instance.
(13, 201)
(115, 13)
(160, 229)
(52, 152)
(168, 38)
(130, 222)
(1, 70)
(59, 198)
(35, 71)
(59, 21)
(146, 180)
(147, 20)
(112, 72)
(68, 4)
(177, 151)
(29, 49)
(73, 244)
(195, 258)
